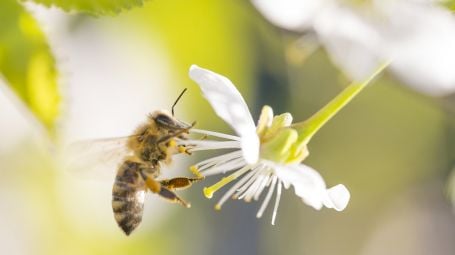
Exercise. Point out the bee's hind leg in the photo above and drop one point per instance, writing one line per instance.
(172, 197)
(163, 191)
(179, 182)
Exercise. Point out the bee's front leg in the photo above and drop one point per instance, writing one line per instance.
(174, 134)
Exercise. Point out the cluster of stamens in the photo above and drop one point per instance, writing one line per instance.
(255, 178)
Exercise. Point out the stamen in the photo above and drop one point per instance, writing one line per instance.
(182, 149)
(224, 161)
(253, 188)
(277, 202)
(267, 197)
(232, 190)
(215, 134)
(242, 189)
(266, 184)
(225, 166)
(210, 145)
(214, 160)
(196, 172)
(208, 191)
(262, 187)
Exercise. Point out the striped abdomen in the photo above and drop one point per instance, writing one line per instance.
(128, 196)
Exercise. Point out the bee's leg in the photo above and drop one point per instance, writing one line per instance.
(156, 187)
(172, 197)
(153, 185)
(179, 182)
(176, 134)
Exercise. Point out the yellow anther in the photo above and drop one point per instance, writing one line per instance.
(172, 143)
(181, 149)
(218, 207)
(208, 191)
(196, 172)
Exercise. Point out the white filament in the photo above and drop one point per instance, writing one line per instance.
(277, 202)
(267, 197)
(215, 134)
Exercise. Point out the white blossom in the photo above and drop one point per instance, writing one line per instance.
(417, 35)
(255, 164)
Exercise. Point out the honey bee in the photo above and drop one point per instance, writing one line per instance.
(153, 143)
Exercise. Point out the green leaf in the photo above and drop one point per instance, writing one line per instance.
(93, 7)
(26, 62)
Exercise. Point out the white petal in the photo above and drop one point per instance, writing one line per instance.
(420, 38)
(308, 183)
(250, 147)
(290, 14)
(352, 43)
(230, 106)
(338, 197)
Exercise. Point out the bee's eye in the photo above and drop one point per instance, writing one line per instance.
(168, 122)
(165, 120)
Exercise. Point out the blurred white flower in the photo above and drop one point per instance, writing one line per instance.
(418, 35)
(262, 155)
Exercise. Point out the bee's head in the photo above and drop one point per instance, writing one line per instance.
(165, 120)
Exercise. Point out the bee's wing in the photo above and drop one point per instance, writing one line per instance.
(97, 158)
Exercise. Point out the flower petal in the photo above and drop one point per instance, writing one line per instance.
(290, 14)
(308, 183)
(338, 197)
(420, 38)
(417, 37)
(229, 105)
(350, 40)
(250, 147)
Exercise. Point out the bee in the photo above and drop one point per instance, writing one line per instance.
(153, 143)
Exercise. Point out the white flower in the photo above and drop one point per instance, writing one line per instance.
(418, 35)
(263, 157)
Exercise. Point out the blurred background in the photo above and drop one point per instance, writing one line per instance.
(83, 77)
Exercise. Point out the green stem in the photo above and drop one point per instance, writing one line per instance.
(311, 126)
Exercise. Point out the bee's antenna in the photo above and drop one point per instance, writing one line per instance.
(176, 101)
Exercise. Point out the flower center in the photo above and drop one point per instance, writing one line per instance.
(279, 141)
